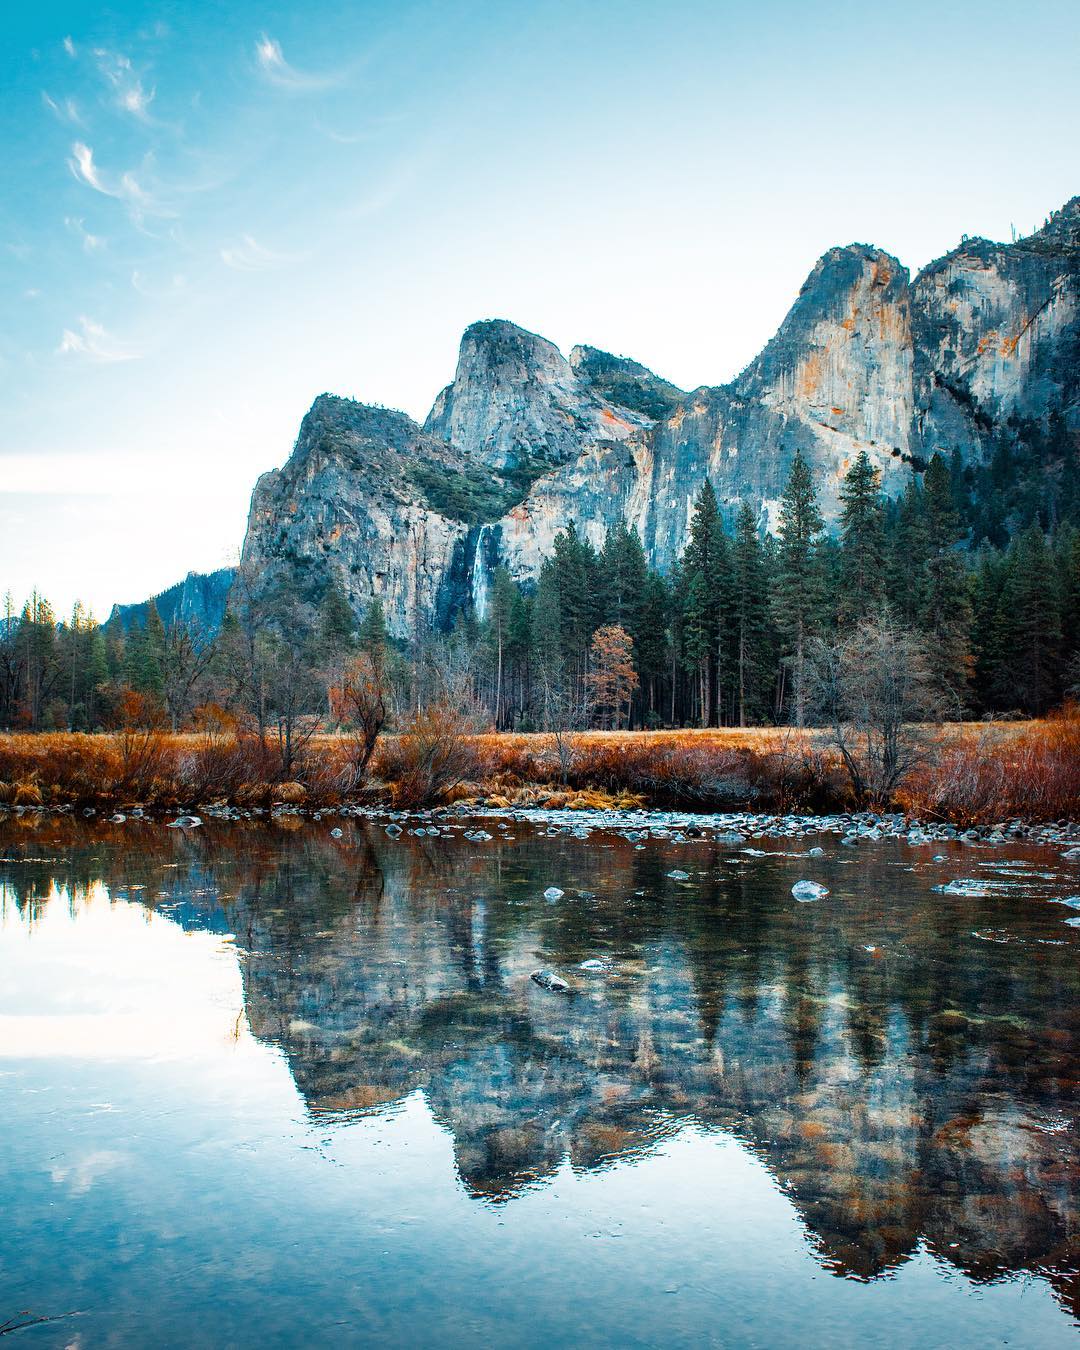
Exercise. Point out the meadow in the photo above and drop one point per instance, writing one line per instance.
(968, 773)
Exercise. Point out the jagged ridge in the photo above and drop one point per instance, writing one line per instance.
(523, 440)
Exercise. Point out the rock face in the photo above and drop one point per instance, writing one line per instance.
(198, 601)
(523, 440)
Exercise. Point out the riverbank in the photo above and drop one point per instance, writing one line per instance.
(968, 775)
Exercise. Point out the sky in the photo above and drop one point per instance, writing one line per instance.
(212, 212)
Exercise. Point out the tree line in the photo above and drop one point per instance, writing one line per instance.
(601, 638)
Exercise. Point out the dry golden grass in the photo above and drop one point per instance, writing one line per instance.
(977, 773)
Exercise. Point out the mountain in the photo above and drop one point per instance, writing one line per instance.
(984, 343)
(199, 601)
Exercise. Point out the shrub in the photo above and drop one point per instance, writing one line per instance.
(433, 755)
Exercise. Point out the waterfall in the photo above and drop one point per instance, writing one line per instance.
(480, 581)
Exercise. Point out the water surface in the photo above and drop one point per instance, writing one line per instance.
(264, 1087)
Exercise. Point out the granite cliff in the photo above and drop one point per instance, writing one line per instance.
(198, 601)
(524, 440)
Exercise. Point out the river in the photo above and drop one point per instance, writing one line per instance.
(265, 1086)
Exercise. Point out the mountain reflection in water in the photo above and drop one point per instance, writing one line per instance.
(904, 1063)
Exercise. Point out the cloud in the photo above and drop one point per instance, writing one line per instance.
(125, 188)
(251, 256)
(136, 100)
(93, 343)
(117, 70)
(272, 64)
(67, 111)
(83, 167)
(69, 46)
(90, 242)
(169, 291)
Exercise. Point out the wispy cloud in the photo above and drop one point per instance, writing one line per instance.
(174, 287)
(90, 242)
(69, 46)
(127, 85)
(124, 187)
(382, 195)
(85, 170)
(271, 62)
(250, 256)
(91, 342)
(65, 110)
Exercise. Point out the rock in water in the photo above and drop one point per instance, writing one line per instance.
(547, 980)
(553, 893)
(815, 852)
(679, 876)
(335, 833)
(962, 886)
(808, 890)
(184, 823)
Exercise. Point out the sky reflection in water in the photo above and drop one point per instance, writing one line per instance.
(261, 1086)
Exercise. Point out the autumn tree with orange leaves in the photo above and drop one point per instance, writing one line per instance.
(612, 678)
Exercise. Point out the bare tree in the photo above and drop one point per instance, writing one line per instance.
(872, 689)
(360, 702)
(186, 659)
(565, 710)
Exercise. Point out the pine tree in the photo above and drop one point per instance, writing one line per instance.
(1029, 620)
(944, 594)
(988, 655)
(750, 614)
(798, 594)
(337, 624)
(705, 567)
(547, 643)
(862, 590)
(497, 634)
(654, 643)
(371, 636)
(907, 551)
(1067, 555)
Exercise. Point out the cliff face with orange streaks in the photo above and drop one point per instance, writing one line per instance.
(524, 440)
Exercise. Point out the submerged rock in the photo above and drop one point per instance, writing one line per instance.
(809, 890)
(962, 886)
(679, 876)
(335, 833)
(553, 893)
(184, 823)
(547, 980)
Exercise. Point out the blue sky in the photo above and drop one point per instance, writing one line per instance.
(213, 212)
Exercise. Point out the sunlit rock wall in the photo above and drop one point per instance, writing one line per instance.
(524, 441)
